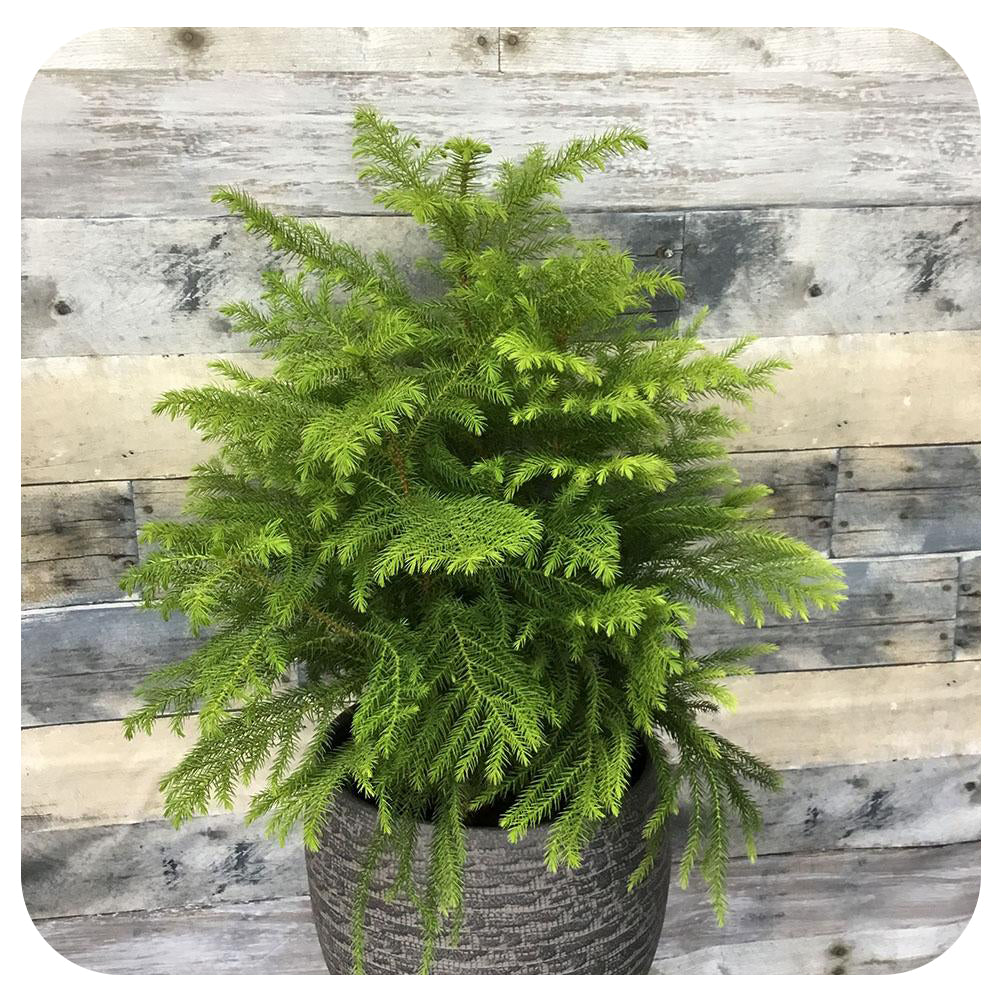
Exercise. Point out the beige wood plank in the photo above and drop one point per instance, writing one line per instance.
(719, 50)
(76, 541)
(861, 390)
(301, 50)
(84, 775)
(843, 390)
(837, 912)
(156, 143)
(859, 715)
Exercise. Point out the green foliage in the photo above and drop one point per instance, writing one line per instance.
(484, 519)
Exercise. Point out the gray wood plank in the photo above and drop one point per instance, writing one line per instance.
(76, 541)
(950, 466)
(218, 859)
(719, 50)
(897, 611)
(803, 483)
(849, 911)
(809, 271)
(302, 50)
(967, 628)
(155, 285)
(83, 664)
(919, 499)
(156, 143)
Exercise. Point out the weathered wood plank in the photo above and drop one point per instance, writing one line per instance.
(967, 628)
(846, 912)
(923, 499)
(113, 431)
(84, 775)
(83, 664)
(867, 389)
(719, 50)
(815, 271)
(89, 775)
(150, 865)
(897, 611)
(76, 540)
(844, 390)
(302, 50)
(156, 143)
(856, 716)
(155, 285)
(923, 467)
(861, 911)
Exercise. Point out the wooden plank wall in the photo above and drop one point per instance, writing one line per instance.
(817, 186)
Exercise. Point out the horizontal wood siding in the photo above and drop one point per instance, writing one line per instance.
(155, 143)
(776, 272)
(845, 233)
(218, 859)
(857, 912)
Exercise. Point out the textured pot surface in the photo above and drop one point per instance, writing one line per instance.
(519, 917)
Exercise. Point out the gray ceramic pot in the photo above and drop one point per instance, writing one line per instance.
(519, 917)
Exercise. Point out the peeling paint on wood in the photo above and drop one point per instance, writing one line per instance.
(156, 143)
(76, 540)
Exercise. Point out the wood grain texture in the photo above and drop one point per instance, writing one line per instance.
(155, 143)
(846, 390)
(862, 390)
(968, 627)
(76, 541)
(150, 865)
(847, 912)
(780, 272)
(83, 664)
(864, 911)
(301, 50)
(720, 50)
(924, 499)
(84, 775)
(856, 716)
(897, 611)
(155, 285)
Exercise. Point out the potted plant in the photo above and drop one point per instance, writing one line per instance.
(448, 555)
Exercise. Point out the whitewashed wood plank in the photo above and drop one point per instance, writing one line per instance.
(154, 286)
(844, 390)
(156, 143)
(968, 627)
(856, 716)
(844, 911)
(76, 541)
(719, 50)
(83, 664)
(302, 50)
(779, 272)
(150, 865)
(867, 389)
(84, 775)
